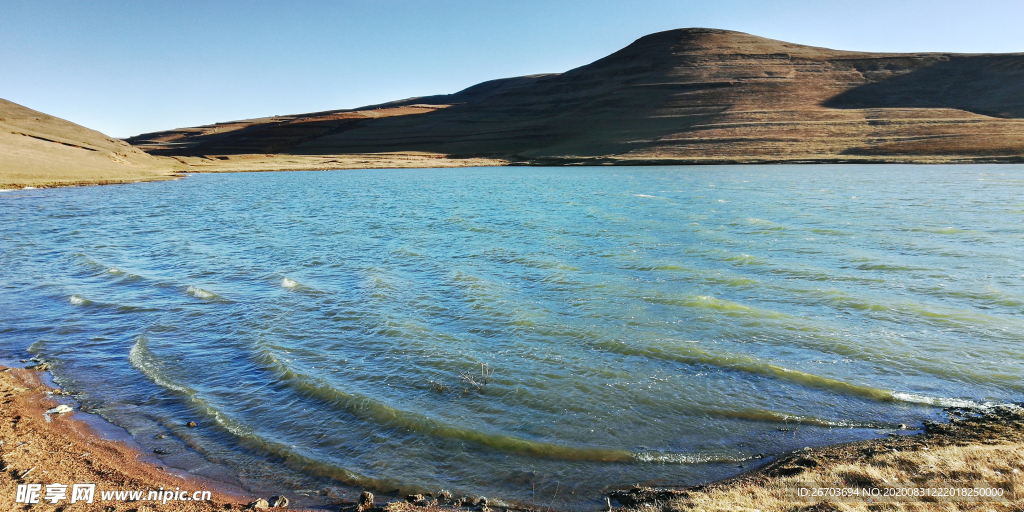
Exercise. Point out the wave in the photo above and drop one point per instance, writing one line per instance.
(749, 364)
(963, 403)
(78, 300)
(942, 316)
(764, 226)
(385, 415)
(715, 304)
(295, 286)
(781, 417)
(142, 359)
(149, 365)
(687, 458)
(531, 260)
(200, 293)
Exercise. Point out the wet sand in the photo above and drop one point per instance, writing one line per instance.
(45, 449)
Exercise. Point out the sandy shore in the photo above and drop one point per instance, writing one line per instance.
(977, 452)
(45, 449)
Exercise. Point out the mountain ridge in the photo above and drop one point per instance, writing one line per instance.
(679, 96)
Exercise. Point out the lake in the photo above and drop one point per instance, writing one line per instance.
(539, 335)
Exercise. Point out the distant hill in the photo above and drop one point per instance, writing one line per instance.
(689, 95)
(41, 150)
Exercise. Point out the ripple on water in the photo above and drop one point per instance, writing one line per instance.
(637, 328)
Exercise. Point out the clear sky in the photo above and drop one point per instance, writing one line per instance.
(127, 67)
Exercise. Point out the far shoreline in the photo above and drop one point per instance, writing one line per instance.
(181, 167)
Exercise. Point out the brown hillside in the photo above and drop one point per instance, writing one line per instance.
(41, 150)
(679, 96)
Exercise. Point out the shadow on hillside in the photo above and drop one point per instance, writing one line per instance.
(988, 85)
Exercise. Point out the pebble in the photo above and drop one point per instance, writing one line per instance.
(418, 499)
(365, 501)
(190, 424)
(279, 502)
(259, 504)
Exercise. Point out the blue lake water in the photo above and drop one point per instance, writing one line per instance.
(540, 335)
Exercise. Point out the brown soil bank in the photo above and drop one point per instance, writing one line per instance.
(682, 96)
(44, 449)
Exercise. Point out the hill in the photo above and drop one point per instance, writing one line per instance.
(41, 150)
(681, 96)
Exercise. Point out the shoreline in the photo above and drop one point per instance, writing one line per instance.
(975, 449)
(174, 168)
(179, 167)
(974, 461)
(41, 447)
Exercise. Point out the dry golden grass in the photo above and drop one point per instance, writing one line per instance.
(999, 466)
(975, 450)
(39, 150)
(259, 163)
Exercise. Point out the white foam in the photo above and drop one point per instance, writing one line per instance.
(6, 190)
(141, 359)
(643, 195)
(288, 283)
(115, 270)
(684, 458)
(29, 188)
(945, 401)
(200, 293)
(77, 300)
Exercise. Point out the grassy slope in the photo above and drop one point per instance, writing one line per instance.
(41, 151)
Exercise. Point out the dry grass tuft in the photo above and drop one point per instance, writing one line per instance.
(975, 451)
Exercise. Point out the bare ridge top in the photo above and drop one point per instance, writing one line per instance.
(685, 95)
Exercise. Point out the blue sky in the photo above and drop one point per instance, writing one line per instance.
(127, 67)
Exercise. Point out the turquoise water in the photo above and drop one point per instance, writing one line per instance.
(541, 335)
